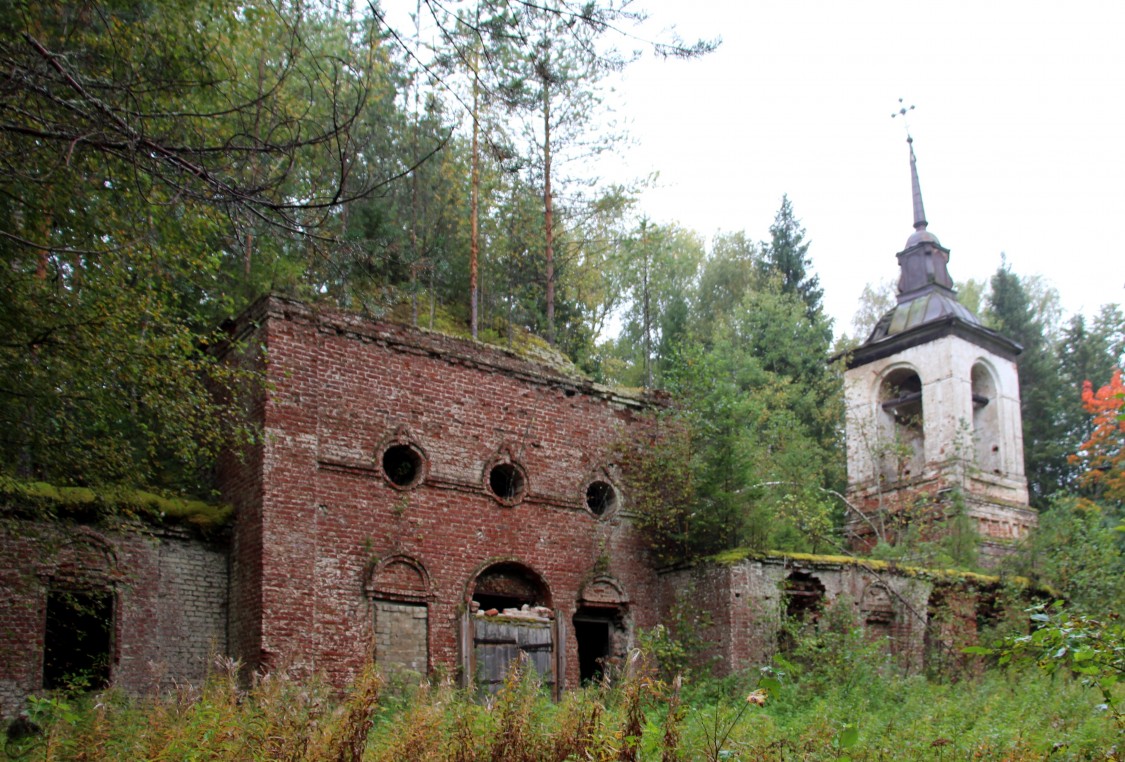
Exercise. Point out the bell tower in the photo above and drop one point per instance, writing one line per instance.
(933, 412)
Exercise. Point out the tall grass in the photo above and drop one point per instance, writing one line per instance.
(851, 705)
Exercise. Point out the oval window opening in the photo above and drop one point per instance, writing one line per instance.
(600, 497)
(506, 481)
(403, 465)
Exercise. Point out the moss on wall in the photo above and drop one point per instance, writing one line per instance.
(42, 500)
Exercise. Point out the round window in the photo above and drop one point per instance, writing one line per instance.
(403, 466)
(506, 481)
(601, 497)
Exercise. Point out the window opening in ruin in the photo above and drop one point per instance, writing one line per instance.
(803, 598)
(594, 630)
(902, 425)
(507, 482)
(403, 465)
(601, 497)
(986, 420)
(77, 640)
(509, 586)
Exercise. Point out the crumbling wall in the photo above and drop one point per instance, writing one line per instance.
(493, 461)
(748, 599)
(167, 591)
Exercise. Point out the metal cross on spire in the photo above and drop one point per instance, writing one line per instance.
(902, 111)
(916, 189)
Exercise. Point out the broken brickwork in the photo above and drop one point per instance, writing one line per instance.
(748, 599)
(160, 606)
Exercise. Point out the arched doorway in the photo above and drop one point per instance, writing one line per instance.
(509, 619)
(802, 595)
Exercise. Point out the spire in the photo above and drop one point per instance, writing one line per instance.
(920, 233)
(919, 211)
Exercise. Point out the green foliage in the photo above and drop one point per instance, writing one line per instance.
(657, 475)
(662, 264)
(926, 531)
(764, 414)
(166, 152)
(832, 650)
(875, 301)
(680, 648)
(1078, 551)
(1015, 310)
(1062, 640)
(786, 258)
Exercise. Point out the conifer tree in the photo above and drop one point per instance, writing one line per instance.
(1011, 311)
(786, 256)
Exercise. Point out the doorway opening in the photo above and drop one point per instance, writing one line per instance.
(595, 630)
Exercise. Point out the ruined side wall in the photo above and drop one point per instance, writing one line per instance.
(343, 388)
(169, 592)
(747, 602)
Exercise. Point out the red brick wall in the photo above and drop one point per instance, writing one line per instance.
(341, 387)
(169, 592)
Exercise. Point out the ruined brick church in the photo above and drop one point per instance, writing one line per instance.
(441, 505)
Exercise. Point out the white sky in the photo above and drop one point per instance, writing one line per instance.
(1020, 108)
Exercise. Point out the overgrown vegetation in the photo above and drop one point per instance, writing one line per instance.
(836, 696)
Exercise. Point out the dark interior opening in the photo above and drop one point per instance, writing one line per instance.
(902, 398)
(402, 464)
(506, 481)
(77, 640)
(593, 629)
(506, 586)
(600, 497)
(803, 595)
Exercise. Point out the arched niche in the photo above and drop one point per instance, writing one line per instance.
(877, 610)
(399, 591)
(901, 425)
(508, 584)
(398, 578)
(986, 419)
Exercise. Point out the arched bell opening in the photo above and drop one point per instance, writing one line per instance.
(902, 431)
(986, 421)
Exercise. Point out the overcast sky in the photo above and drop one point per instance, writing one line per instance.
(1020, 108)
